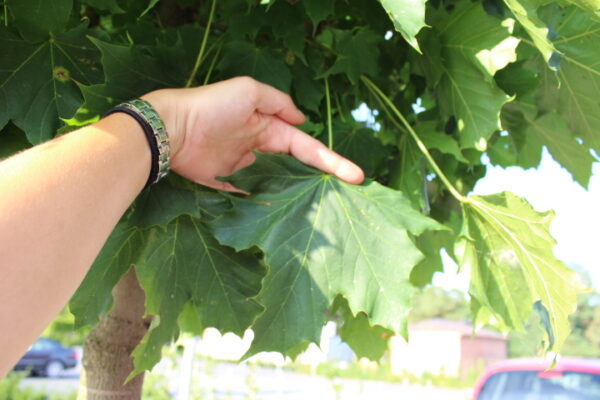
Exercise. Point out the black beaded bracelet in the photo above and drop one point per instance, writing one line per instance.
(155, 132)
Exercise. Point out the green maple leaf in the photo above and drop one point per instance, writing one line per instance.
(180, 266)
(189, 319)
(135, 69)
(523, 148)
(184, 263)
(531, 129)
(38, 79)
(502, 151)
(308, 91)
(162, 204)
(172, 197)
(464, 67)
(577, 38)
(587, 5)
(357, 53)
(430, 243)
(13, 141)
(111, 6)
(435, 138)
(243, 58)
(525, 11)
(318, 10)
(507, 247)
(551, 130)
(97, 99)
(408, 176)
(288, 24)
(130, 71)
(322, 238)
(155, 207)
(408, 17)
(361, 145)
(365, 340)
(94, 296)
(38, 19)
(517, 80)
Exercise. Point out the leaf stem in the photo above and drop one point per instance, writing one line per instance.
(212, 65)
(329, 125)
(202, 46)
(5, 14)
(414, 135)
(339, 107)
(386, 110)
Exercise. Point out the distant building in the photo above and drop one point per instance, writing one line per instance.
(445, 347)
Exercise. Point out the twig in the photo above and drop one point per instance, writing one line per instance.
(202, 46)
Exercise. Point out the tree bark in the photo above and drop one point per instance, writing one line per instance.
(106, 357)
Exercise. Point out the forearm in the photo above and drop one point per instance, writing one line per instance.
(58, 204)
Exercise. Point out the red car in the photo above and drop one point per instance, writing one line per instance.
(530, 379)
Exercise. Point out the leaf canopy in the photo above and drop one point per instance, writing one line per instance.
(466, 90)
(471, 79)
(578, 82)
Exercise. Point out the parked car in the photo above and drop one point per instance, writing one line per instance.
(530, 379)
(47, 357)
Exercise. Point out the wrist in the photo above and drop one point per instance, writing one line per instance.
(166, 106)
(127, 145)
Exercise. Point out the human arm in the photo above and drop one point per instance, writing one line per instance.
(61, 200)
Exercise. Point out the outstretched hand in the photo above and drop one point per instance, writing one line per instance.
(213, 130)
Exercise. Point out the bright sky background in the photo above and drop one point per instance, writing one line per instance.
(576, 226)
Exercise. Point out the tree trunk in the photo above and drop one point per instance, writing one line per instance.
(106, 357)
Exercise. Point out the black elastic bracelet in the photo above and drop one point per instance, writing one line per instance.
(149, 137)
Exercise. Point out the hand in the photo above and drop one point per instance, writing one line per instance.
(213, 130)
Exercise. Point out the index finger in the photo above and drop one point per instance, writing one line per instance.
(284, 138)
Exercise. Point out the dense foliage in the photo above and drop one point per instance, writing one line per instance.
(446, 83)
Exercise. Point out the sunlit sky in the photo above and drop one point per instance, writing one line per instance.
(577, 222)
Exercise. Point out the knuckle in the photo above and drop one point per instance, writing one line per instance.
(246, 81)
(249, 87)
(288, 99)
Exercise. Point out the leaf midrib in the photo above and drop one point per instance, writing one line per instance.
(216, 274)
(301, 267)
